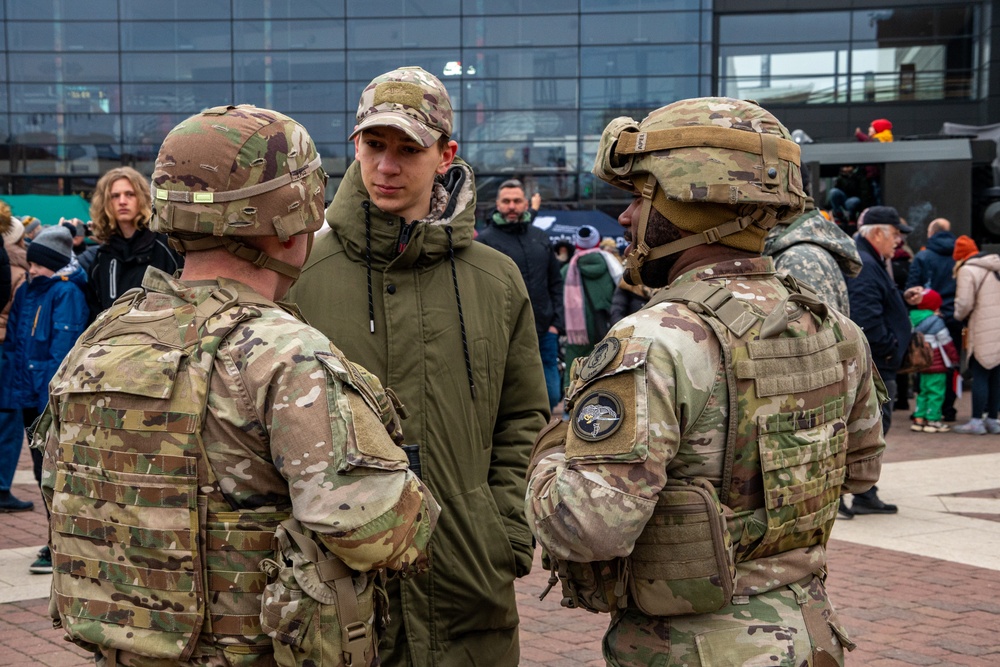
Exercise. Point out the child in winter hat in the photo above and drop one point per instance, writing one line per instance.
(52, 248)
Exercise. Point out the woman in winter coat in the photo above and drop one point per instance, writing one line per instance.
(977, 300)
(120, 211)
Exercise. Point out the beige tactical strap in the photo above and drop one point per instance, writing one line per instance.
(334, 572)
(760, 215)
(715, 300)
(768, 146)
(635, 259)
(241, 250)
(189, 197)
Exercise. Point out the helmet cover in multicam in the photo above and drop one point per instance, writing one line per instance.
(732, 157)
(238, 171)
(410, 99)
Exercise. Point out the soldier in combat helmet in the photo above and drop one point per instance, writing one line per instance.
(225, 485)
(711, 434)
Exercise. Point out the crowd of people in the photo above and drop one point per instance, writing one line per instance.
(226, 484)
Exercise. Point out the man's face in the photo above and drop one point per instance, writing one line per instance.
(511, 204)
(885, 239)
(398, 172)
(124, 201)
(628, 219)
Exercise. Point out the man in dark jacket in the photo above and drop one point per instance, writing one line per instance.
(510, 231)
(878, 307)
(933, 268)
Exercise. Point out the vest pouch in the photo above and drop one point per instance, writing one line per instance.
(584, 585)
(299, 611)
(683, 561)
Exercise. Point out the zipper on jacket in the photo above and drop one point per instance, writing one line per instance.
(404, 234)
(113, 279)
(35, 323)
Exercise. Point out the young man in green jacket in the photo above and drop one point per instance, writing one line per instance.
(446, 323)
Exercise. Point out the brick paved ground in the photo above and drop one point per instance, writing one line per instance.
(903, 610)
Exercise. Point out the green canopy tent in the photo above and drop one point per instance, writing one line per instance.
(49, 208)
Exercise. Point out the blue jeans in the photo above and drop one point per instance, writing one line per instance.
(548, 345)
(11, 438)
(840, 203)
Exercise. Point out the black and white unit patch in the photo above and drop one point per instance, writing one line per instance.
(597, 415)
(603, 354)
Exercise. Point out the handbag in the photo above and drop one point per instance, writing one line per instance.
(919, 354)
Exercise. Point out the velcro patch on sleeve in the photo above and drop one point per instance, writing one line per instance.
(603, 419)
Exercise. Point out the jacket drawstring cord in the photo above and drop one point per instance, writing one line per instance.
(461, 317)
(368, 264)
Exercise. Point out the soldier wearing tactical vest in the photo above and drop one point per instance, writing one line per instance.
(712, 433)
(225, 487)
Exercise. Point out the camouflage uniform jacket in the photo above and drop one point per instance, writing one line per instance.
(817, 252)
(672, 387)
(286, 431)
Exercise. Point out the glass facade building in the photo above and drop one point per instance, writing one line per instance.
(87, 86)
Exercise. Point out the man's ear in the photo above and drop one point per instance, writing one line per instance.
(447, 157)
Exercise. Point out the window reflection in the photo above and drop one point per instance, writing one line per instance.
(889, 55)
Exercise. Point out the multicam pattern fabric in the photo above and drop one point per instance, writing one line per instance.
(594, 501)
(409, 98)
(235, 148)
(818, 253)
(289, 428)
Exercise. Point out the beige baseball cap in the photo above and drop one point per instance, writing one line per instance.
(411, 99)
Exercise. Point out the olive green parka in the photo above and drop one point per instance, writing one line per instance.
(406, 326)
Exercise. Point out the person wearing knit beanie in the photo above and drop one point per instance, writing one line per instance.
(965, 248)
(52, 248)
(587, 237)
(32, 225)
(14, 232)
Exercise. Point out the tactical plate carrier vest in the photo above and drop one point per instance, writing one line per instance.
(148, 555)
(768, 523)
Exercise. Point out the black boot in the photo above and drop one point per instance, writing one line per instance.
(869, 503)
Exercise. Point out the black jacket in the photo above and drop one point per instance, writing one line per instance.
(120, 264)
(878, 307)
(529, 247)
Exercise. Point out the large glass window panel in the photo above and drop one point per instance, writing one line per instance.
(290, 66)
(47, 10)
(503, 94)
(403, 9)
(908, 86)
(328, 128)
(366, 65)
(914, 23)
(288, 9)
(67, 67)
(210, 66)
(787, 90)
(288, 35)
(784, 28)
(639, 60)
(170, 97)
(294, 97)
(514, 63)
(176, 35)
(144, 129)
(65, 97)
(67, 128)
(412, 33)
(648, 92)
(521, 31)
(626, 30)
(517, 7)
(63, 36)
(520, 155)
(191, 11)
(636, 5)
(519, 125)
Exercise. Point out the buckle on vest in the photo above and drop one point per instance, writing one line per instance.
(353, 640)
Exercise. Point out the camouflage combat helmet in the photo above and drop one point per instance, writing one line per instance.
(240, 171)
(732, 157)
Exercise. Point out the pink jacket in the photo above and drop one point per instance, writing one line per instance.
(977, 299)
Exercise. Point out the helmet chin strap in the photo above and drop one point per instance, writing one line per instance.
(642, 253)
(243, 251)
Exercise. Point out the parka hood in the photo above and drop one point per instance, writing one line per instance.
(988, 261)
(453, 206)
(812, 227)
(942, 243)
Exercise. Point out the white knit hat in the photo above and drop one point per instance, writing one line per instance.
(587, 237)
(15, 232)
